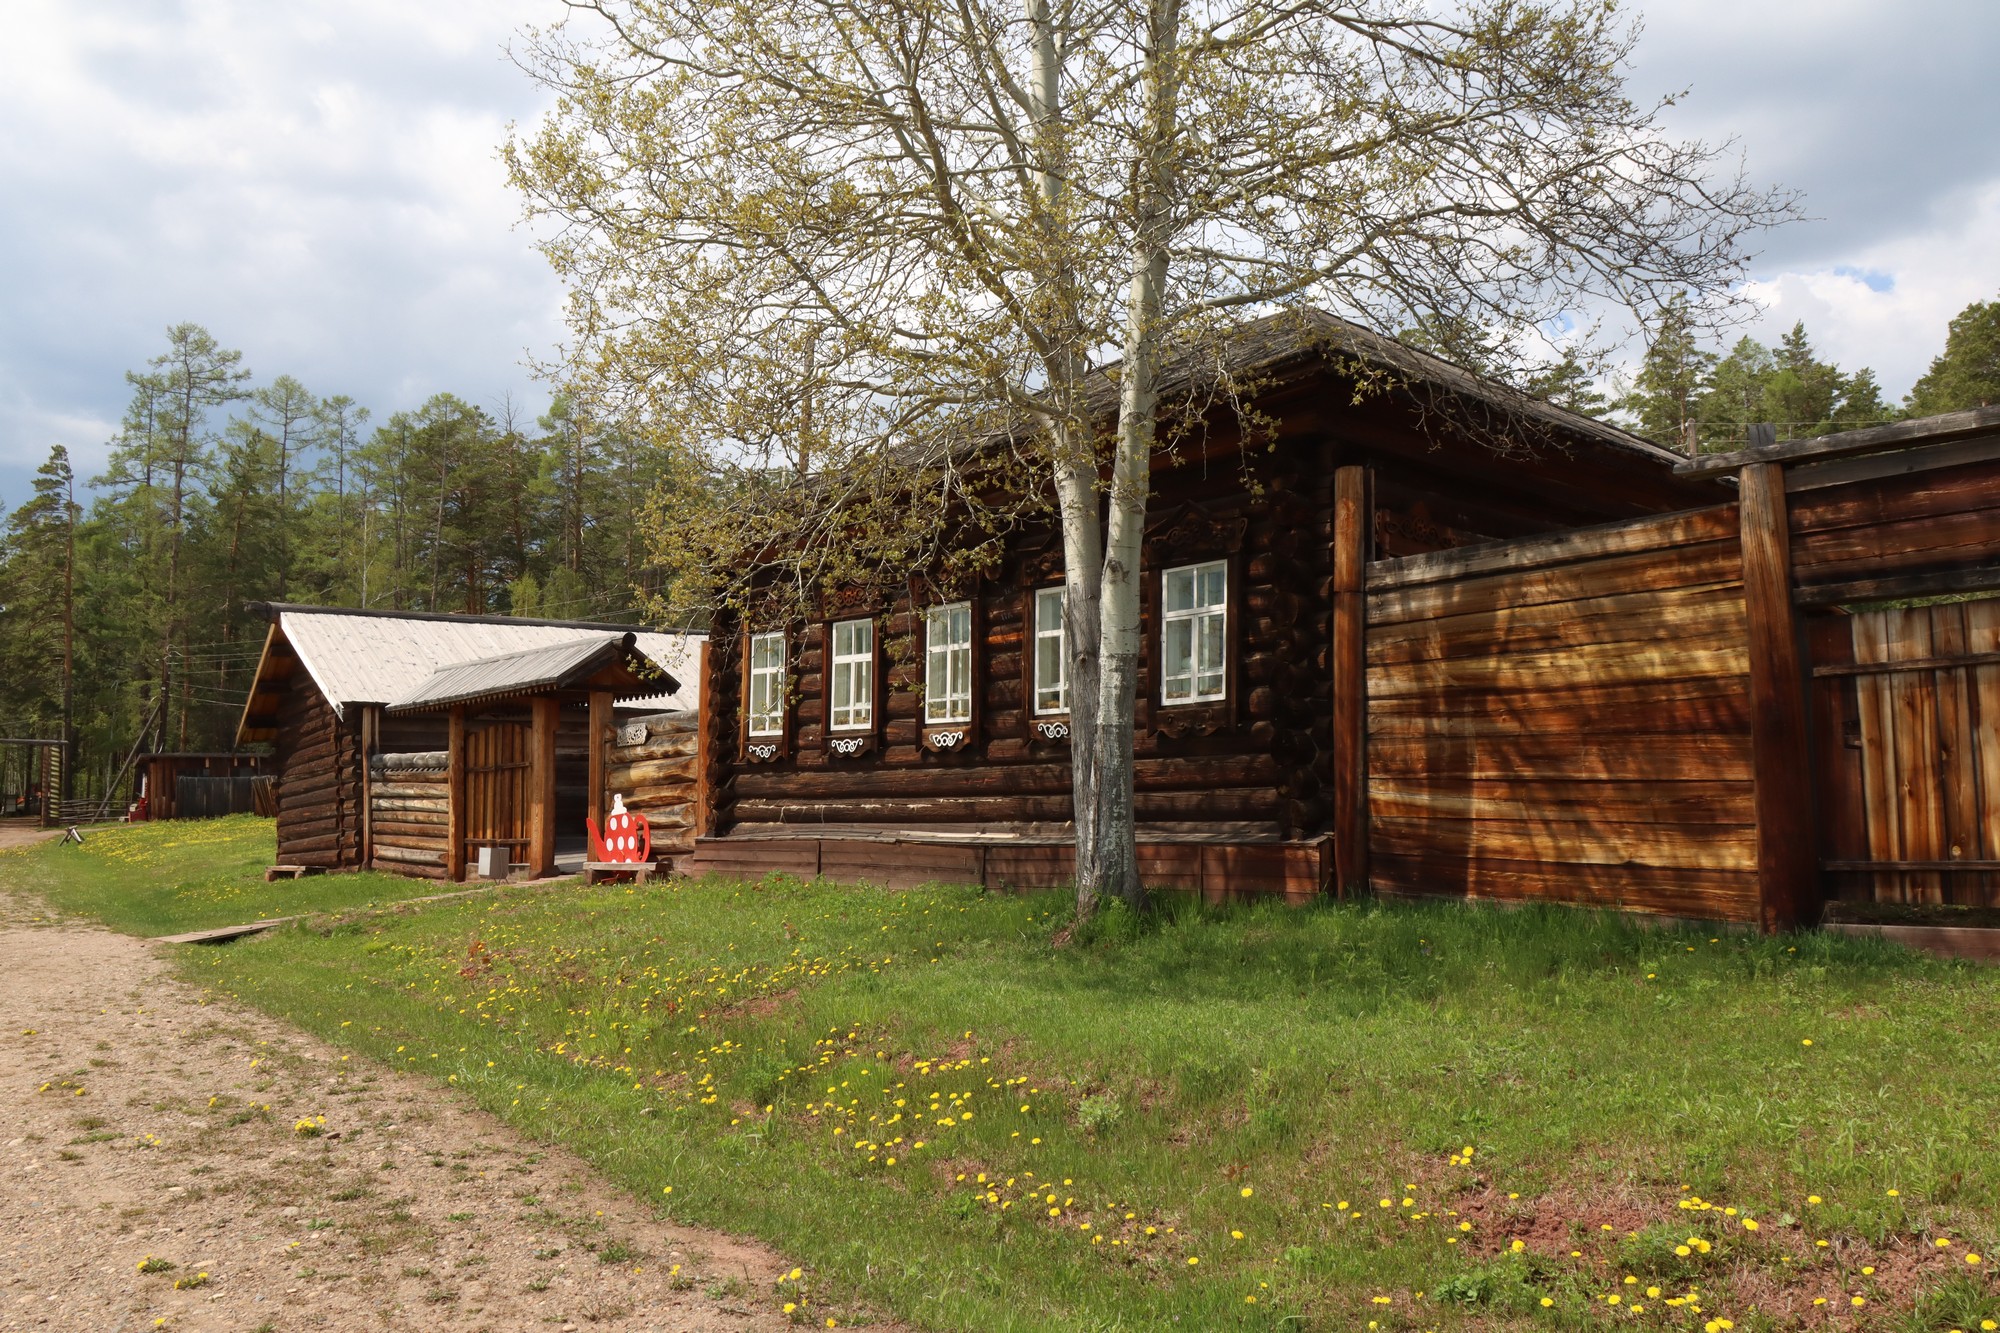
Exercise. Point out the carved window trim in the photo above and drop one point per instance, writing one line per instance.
(869, 659)
(765, 747)
(944, 650)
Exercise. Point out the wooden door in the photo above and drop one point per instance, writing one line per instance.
(497, 800)
(1909, 738)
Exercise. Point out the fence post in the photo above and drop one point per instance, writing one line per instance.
(1787, 848)
(1353, 520)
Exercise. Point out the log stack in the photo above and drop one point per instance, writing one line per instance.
(652, 762)
(410, 812)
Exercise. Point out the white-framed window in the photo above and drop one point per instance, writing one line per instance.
(1194, 624)
(767, 685)
(948, 663)
(851, 699)
(1051, 653)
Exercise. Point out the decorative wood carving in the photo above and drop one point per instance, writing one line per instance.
(945, 741)
(1192, 531)
(850, 747)
(1052, 731)
(762, 752)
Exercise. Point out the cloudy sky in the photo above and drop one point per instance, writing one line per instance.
(317, 182)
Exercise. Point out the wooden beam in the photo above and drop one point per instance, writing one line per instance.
(704, 765)
(454, 851)
(1353, 521)
(1982, 578)
(1787, 870)
(542, 786)
(1623, 537)
(1908, 664)
(600, 739)
(1851, 443)
(371, 731)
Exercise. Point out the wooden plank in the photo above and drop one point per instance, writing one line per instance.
(1705, 894)
(1929, 496)
(1591, 543)
(1878, 749)
(1669, 803)
(1852, 443)
(1913, 706)
(1957, 773)
(1571, 842)
(707, 762)
(1882, 548)
(1937, 583)
(1903, 462)
(1645, 756)
(1353, 522)
(1633, 617)
(1711, 564)
(1836, 724)
(541, 792)
(1721, 654)
(1942, 662)
(1982, 634)
(454, 855)
(1720, 705)
(1788, 880)
(410, 855)
(598, 729)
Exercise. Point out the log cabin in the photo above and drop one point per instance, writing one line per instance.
(901, 735)
(407, 741)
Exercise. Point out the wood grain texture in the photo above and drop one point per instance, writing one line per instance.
(1352, 524)
(1787, 866)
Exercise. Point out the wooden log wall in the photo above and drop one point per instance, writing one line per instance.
(1259, 764)
(319, 782)
(1567, 719)
(409, 797)
(652, 762)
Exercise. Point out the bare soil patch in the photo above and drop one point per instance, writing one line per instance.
(138, 1122)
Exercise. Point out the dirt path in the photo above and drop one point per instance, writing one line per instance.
(136, 1121)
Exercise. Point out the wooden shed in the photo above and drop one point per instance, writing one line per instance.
(198, 785)
(405, 742)
(906, 733)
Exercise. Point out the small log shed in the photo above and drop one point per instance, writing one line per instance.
(160, 779)
(361, 709)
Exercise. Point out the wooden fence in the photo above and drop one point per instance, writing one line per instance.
(1730, 713)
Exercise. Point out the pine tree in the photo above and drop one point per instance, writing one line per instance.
(1672, 379)
(1967, 373)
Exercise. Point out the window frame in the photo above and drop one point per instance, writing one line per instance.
(1035, 637)
(751, 673)
(1196, 615)
(871, 697)
(962, 719)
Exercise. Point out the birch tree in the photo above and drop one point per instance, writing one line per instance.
(824, 244)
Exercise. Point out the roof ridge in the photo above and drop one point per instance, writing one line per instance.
(273, 610)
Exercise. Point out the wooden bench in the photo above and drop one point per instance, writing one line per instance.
(597, 872)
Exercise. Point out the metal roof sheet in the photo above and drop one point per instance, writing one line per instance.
(519, 672)
(377, 659)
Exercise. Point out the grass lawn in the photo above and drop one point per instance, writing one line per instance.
(1348, 1117)
(179, 875)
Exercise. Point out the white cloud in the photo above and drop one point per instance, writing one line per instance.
(1887, 305)
(317, 181)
